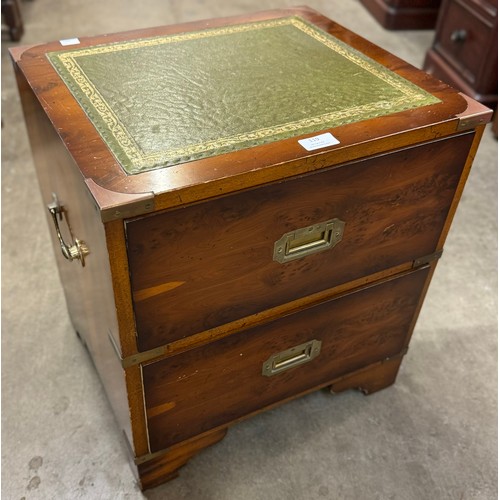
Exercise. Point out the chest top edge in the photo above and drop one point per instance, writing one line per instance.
(119, 194)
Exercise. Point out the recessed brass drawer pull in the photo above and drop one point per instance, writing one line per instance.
(308, 240)
(78, 250)
(294, 356)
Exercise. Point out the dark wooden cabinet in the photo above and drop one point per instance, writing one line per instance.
(404, 14)
(465, 49)
(220, 286)
(11, 15)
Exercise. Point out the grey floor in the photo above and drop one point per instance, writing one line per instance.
(433, 435)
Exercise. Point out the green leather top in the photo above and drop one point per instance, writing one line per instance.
(166, 100)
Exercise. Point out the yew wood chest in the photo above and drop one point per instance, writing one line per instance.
(243, 210)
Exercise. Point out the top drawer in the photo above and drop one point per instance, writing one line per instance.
(204, 265)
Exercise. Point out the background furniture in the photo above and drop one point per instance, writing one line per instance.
(404, 14)
(11, 14)
(465, 48)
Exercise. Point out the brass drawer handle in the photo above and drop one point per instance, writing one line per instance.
(78, 250)
(308, 240)
(290, 358)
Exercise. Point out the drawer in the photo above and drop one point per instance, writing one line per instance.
(464, 35)
(210, 386)
(205, 265)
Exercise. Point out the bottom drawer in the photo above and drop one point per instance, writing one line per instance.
(212, 385)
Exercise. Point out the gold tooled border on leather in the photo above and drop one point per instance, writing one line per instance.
(134, 160)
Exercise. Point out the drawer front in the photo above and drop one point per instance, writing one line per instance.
(213, 385)
(464, 36)
(205, 265)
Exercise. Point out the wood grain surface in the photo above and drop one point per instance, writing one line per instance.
(208, 387)
(208, 264)
(210, 177)
(188, 275)
(89, 290)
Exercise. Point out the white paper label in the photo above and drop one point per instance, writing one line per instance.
(69, 41)
(318, 141)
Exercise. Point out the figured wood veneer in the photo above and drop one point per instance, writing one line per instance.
(356, 330)
(217, 257)
(180, 301)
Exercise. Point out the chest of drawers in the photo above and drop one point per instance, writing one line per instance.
(465, 49)
(214, 265)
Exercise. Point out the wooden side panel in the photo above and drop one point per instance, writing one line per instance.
(205, 388)
(208, 264)
(88, 290)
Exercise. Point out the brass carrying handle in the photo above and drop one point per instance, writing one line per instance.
(308, 240)
(78, 250)
(290, 358)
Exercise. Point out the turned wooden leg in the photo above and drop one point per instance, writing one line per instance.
(372, 379)
(165, 467)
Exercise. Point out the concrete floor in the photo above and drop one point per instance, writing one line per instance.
(431, 436)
